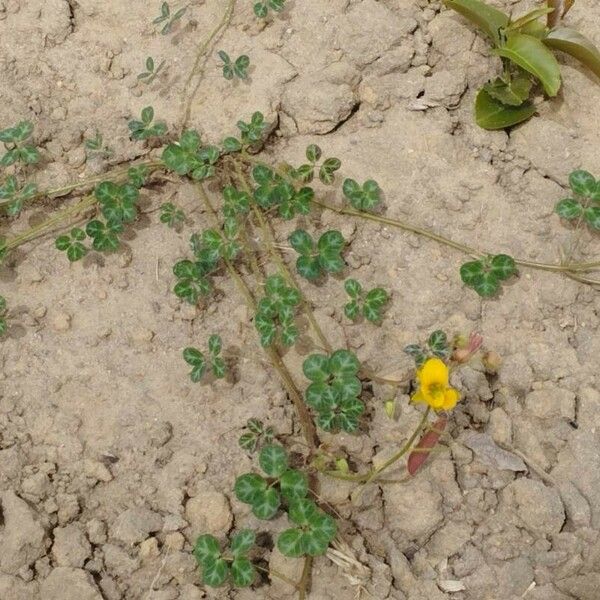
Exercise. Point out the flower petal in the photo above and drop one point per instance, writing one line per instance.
(451, 397)
(434, 371)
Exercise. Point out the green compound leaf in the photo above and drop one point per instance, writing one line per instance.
(266, 504)
(343, 363)
(492, 114)
(328, 169)
(301, 242)
(353, 288)
(242, 541)
(291, 543)
(583, 183)
(215, 572)
(249, 487)
(207, 548)
(316, 368)
(503, 266)
(363, 198)
(592, 216)
(569, 209)
(243, 572)
(273, 460)
(105, 236)
(293, 484)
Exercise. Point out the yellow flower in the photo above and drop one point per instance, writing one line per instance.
(433, 386)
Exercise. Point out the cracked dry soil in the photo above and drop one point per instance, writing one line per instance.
(112, 461)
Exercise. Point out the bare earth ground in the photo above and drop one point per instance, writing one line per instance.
(112, 461)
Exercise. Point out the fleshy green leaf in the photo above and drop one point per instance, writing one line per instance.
(486, 17)
(578, 46)
(492, 114)
(533, 56)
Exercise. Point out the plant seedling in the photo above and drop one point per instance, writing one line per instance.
(235, 202)
(95, 146)
(15, 140)
(257, 435)
(167, 18)
(189, 157)
(334, 390)
(118, 202)
(105, 236)
(3, 321)
(145, 129)
(151, 72)
(437, 346)
(251, 132)
(525, 45)
(586, 202)
(192, 276)
(72, 244)
(306, 172)
(369, 305)
(200, 364)
(275, 316)
(137, 176)
(218, 566)
(265, 495)
(238, 69)
(324, 257)
(14, 195)
(261, 9)
(273, 190)
(365, 197)
(313, 533)
(485, 275)
(171, 215)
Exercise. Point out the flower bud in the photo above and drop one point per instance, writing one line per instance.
(492, 362)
